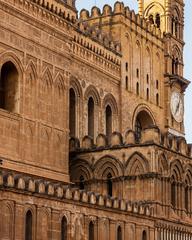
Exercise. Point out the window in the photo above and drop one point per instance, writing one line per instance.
(144, 237)
(64, 229)
(137, 89)
(91, 231)
(81, 183)
(173, 192)
(72, 113)
(151, 20)
(176, 65)
(138, 129)
(91, 117)
(9, 87)
(109, 185)
(186, 198)
(126, 66)
(157, 84)
(157, 99)
(126, 82)
(173, 66)
(108, 121)
(28, 226)
(158, 20)
(119, 233)
(147, 94)
(137, 73)
(147, 78)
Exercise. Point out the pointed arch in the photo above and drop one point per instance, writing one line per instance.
(74, 83)
(163, 164)
(91, 91)
(59, 83)
(47, 78)
(109, 99)
(29, 225)
(177, 170)
(108, 164)
(137, 164)
(64, 228)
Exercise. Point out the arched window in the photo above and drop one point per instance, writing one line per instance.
(9, 87)
(151, 20)
(186, 197)
(144, 235)
(157, 99)
(119, 233)
(91, 231)
(28, 226)
(91, 109)
(147, 94)
(126, 82)
(137, 88)
(173, 193)
(108, 120)
(109, 185)
(64, 229)
(81, 183)
(138, 129)
(158, 20)
(72, 113)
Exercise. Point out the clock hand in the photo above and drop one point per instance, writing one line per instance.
(177, 108)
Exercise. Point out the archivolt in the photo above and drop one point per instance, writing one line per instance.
(74, 83)
(137, 164)
(91, 91)
(108, 164)
(177, 170)
(110, 100)
(81, 168)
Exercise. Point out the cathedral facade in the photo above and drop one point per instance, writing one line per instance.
(92, 122)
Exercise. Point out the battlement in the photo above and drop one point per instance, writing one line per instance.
(151, 135)
(110, 14)
(58, 191)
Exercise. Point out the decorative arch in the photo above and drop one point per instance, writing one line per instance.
(59, 83)
(7, 214)
(76, 86)
(176, 52)
(91, 91)
(108, 164)
(109, 99)
(64, 230)
(163, 164)
(47, 78)
(136, 164)
(177, 170)
(81, 168)
(156, 5)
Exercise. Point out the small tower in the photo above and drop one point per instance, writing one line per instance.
(168, 15)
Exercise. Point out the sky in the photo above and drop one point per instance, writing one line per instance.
(87, 4)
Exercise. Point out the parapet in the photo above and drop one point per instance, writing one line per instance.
(119, 9)
(149, 136)
(55, 191)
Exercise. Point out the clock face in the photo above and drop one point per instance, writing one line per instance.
(177, 106)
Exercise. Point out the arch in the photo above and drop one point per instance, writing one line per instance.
(80, 167)
(91, 231)
(177, 170)
(137, 164)
(158, 9)
(108, 121)
(64, 228)
(9, 87)
(47, 78)
(28, 225)
(72, 112)
(144, 235)
(163, 164)
(108, 164)
(7, 214)
(110, 100)
(91, 91)
(119, 233)
(74, 83)
(59, 83)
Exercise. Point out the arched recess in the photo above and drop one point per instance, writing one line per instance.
(142, 118)
(9, 87)
(7, 215)
(29, 225)
(29, 106)
(59, 101)
(46, 96)
(163, 165)
(111, 114)
(176, 175)
(92, 107)
(176, 22)
(176, 60)
(44, 224)
(119, 233)
(80, 172)
(64, 228)
(137, 164)
(76, 107)
(187, 189)
(91, 231)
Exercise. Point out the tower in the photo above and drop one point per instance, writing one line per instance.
(168, 15)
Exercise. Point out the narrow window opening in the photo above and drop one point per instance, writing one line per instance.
(147, 78)
(126, 66)
(186, 198)
(158, 20)
(176, 65)
(173, 197)
(151, 20)
(119, 233)
(144, 237)
(137, 73)
(109, 185)
(28, 226)
(137, 90)
(147, 94)
(108, 116)
(138, 130)
(91, 231)
(126, 82)
(72, 112)
(157, 99)
(91, 117)
(157, 84)
(81, 183)
(64, 229)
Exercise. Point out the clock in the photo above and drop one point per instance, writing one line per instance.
(177, 106)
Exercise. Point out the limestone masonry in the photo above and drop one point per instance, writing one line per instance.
(92, 142)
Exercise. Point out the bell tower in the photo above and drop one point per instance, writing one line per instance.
(168, 15)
